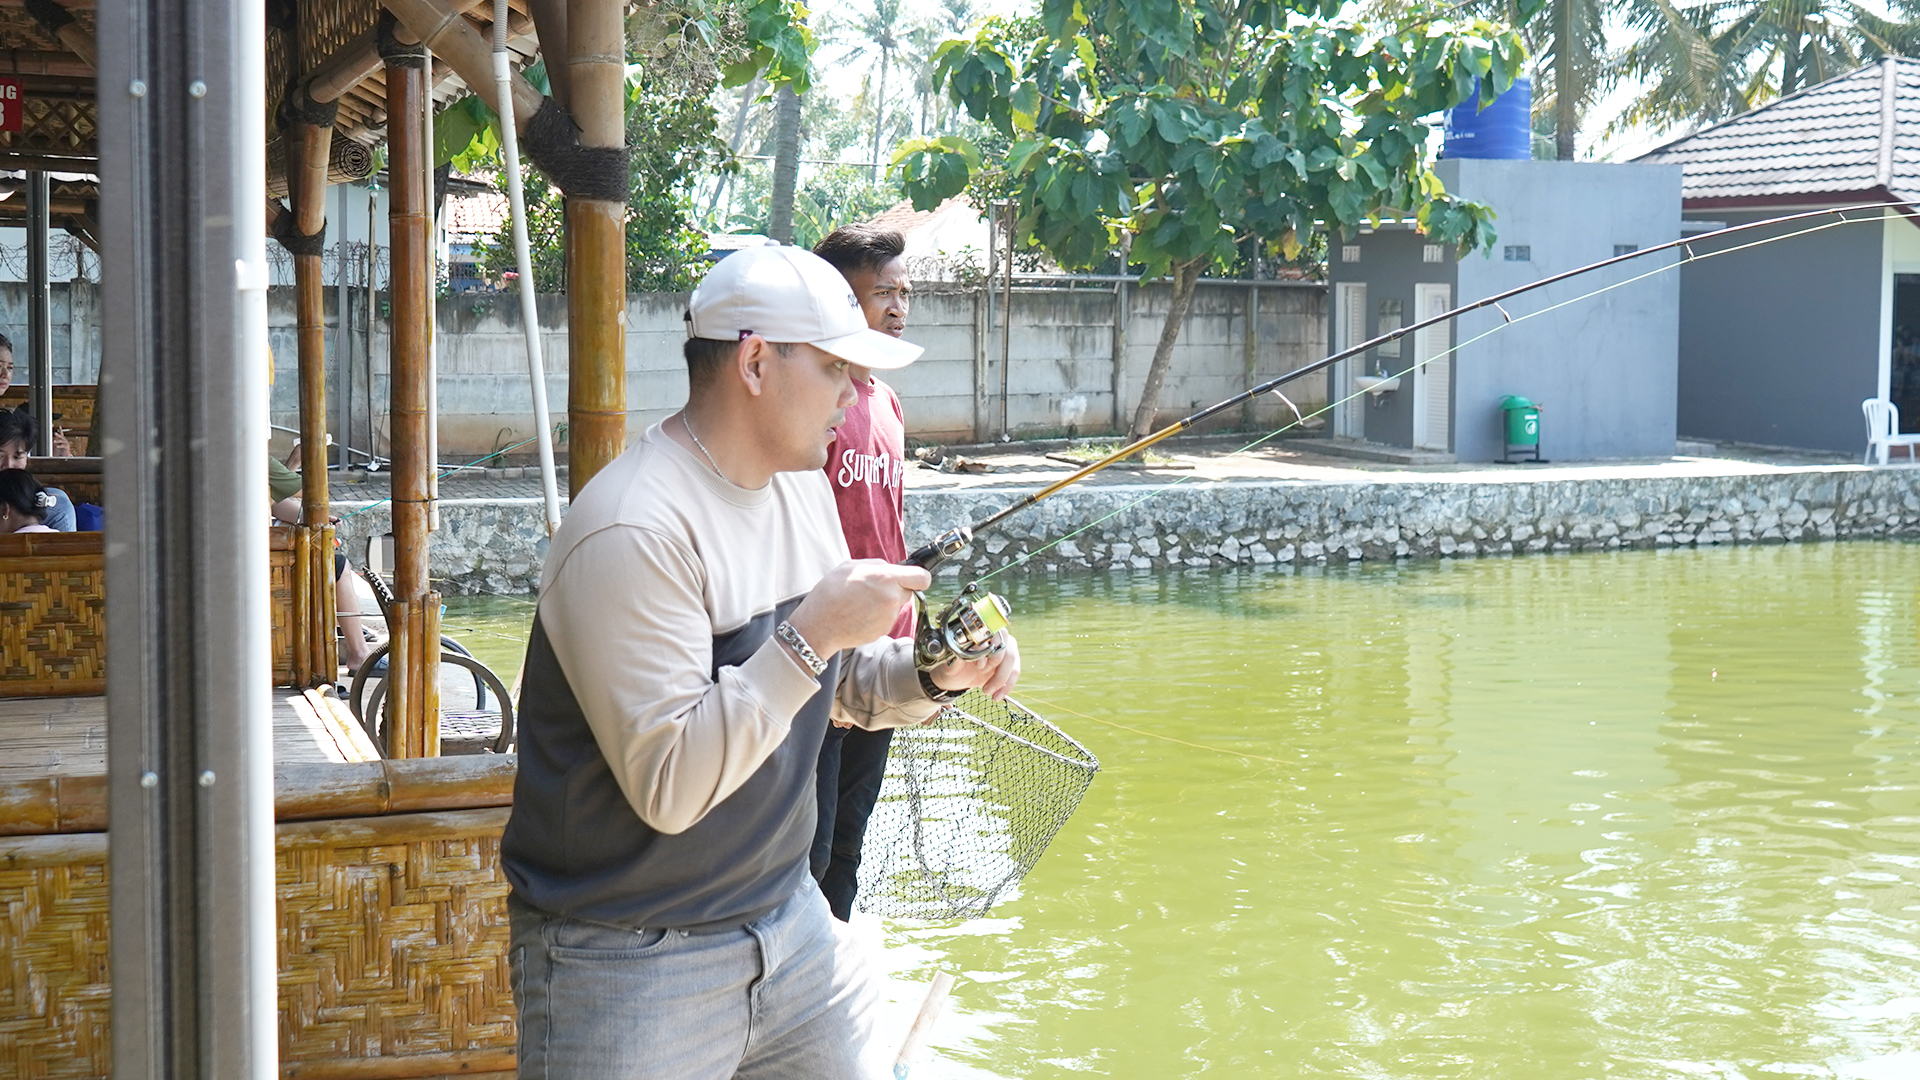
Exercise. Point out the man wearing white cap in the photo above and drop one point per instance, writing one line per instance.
(698, 626)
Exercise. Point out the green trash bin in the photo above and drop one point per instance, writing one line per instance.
(1522, 424)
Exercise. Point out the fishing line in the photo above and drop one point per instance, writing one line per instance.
(956, 540)
(1508, 320)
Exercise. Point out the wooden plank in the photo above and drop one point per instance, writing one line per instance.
(349, 737)
(38, 805)
(52, 736)
(299, 734)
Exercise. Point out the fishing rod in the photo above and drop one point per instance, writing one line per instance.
(967, 629)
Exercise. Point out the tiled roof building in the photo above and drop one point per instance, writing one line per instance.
(1851, 138)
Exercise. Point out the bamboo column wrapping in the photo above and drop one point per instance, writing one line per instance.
(300, 627)
(400, 681)
(307, 190)
(596, 249)
(415, 705)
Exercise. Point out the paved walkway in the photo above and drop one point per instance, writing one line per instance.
(1213, 458)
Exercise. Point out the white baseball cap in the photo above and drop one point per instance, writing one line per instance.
(789, 294)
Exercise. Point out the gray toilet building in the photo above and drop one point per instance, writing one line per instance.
(1603, 368)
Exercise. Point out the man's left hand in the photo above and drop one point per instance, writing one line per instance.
(995, 674)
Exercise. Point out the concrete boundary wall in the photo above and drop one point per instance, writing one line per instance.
(496, 546)
(1061, 377)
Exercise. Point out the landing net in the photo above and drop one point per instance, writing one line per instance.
(970, 802)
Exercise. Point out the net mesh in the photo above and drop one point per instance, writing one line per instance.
(970, 802)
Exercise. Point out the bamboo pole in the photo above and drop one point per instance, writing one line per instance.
(310, 149)
(596, 248)
(414, 700)
(433, 308)
(300, 628)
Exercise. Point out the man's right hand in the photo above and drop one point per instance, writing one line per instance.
(857, 602)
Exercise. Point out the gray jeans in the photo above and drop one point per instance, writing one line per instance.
(787, 996)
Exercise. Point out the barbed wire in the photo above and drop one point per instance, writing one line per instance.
(353, 274)
(67, 260)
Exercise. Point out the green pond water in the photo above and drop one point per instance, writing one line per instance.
(1642, 815)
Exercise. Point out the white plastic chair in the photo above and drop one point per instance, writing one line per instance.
(1883, 431)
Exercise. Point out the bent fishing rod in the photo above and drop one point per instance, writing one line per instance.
(967, 628)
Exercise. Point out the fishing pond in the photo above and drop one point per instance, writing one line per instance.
(1642, 814)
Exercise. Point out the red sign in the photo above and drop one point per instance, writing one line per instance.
(11, 102)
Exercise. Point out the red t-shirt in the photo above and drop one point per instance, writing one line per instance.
(866, 466)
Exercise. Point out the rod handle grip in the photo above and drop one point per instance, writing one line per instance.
(928, 558)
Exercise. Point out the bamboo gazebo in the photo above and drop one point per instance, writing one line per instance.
(196, 879)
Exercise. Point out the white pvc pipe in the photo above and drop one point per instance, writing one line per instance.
(523, 262)
(433, 311)
(930, 1007)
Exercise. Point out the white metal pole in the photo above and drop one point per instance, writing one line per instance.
(523, 263)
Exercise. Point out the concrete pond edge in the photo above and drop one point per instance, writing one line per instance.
(496, 546)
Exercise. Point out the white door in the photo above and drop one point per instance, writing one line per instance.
(1350, 329)
(1433, 371)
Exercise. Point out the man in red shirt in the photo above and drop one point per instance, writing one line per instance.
(866, 466)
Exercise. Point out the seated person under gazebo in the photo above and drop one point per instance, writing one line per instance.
(284, 487)
(16, 443)
(23, 503)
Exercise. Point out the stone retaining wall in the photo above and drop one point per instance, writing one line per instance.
(496, 546)
(1211, 524)
(491, 547)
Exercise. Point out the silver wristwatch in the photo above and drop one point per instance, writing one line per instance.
(791, 637)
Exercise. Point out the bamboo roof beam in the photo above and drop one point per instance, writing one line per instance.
(47, 63)
(446, 31)
(57, 21)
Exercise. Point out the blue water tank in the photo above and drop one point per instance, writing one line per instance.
(1503, 131)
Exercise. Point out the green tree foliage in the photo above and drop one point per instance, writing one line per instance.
(831, 196)
(678, 53)
(1704, 62)
(1191, 127)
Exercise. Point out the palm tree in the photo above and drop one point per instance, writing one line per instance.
(1706, 62)
(786, 163)
(952, 19)
(879, 30)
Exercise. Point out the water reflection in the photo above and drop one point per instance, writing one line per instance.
(1651, 814)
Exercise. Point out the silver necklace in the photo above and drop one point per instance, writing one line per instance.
(712, 464)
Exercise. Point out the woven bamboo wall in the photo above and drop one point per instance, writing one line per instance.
(392, 946)
(54, 998)
(280, 606)
(53, 614)
(393, 939)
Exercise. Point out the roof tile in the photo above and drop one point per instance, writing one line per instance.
(1824, 140)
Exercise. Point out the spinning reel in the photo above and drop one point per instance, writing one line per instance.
(966, 629)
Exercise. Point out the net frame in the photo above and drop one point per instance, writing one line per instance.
(970, 802)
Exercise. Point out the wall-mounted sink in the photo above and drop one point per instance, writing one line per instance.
(1377, 384)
